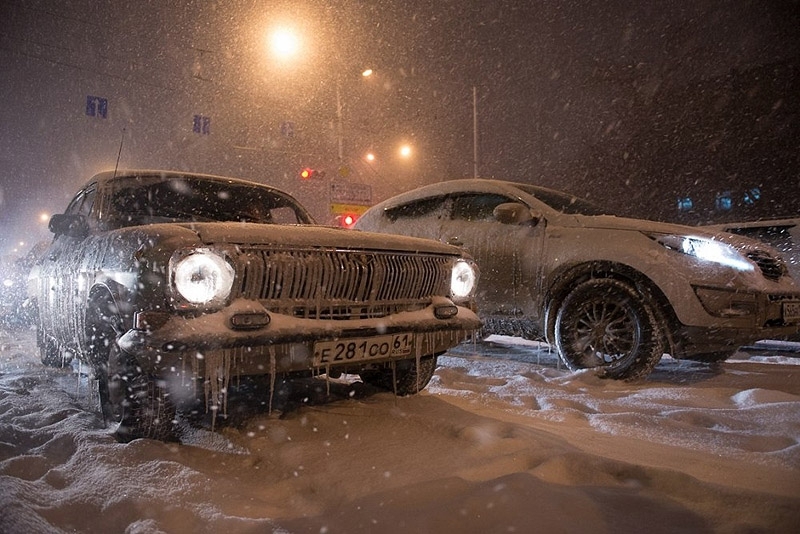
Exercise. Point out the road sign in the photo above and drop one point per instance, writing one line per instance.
(349, 192)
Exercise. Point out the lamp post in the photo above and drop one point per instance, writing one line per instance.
(366, 73)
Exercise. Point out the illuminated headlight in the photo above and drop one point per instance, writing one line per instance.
(463, 279)
(706, 250)
(203, 278)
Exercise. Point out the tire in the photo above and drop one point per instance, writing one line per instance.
(49, 353)
(606, 325)
(136, 402)
(407, 378)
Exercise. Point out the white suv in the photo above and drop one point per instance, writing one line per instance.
(610, 293)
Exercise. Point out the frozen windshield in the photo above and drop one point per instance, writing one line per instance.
(192, 200)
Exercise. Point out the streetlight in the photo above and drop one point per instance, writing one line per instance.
(405, 151)
(284, 43)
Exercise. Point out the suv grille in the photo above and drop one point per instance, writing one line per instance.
(341, 284)
(772, 268)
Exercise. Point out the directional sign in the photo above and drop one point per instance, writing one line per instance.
(349, 192)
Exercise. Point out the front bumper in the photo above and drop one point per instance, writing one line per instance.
(738, 318)
(286, 344)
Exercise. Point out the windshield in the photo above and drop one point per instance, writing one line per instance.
(564, 203)
(197, 200)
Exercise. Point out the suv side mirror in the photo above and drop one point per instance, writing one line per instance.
(514, 213)
(69, 225)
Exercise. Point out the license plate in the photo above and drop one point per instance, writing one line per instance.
(791, 311)
(359, 349)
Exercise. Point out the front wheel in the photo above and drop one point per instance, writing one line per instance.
(605, 324)
(406, 378)
(49, 353)
(138, 402)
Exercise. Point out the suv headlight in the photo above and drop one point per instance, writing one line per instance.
(203, 277)
(706, 250)
(463, 279)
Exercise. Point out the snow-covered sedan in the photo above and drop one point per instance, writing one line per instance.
(610, 293)
(169, 284)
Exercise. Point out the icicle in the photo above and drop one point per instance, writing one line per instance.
(394, 379)
(78, 385)
(418, 354)
(328, 379)
(272, 366)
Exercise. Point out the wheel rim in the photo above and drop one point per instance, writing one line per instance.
(604, 332)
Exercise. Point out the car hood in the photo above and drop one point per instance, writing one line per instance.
(611, 222)
(313, 236)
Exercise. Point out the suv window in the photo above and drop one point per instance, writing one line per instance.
(83, 202)
(477, 207)
(419, 208)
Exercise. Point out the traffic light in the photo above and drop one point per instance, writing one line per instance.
(308, 173)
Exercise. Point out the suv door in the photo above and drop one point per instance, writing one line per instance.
(508, 255)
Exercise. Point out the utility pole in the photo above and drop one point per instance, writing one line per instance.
(474, 132)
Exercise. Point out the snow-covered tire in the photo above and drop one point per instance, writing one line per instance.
(407, 378)
(138, 402)
(135, 401)
(49, 353)
(605, 324)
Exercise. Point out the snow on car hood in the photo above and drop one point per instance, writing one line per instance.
(312, 236)
(611, 222)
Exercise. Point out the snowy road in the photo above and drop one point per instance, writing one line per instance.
(503, 440)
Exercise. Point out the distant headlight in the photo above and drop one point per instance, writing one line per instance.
(706, 250)
(463, 279)
(203, 277)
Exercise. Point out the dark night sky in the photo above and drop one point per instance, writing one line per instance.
(560, 85)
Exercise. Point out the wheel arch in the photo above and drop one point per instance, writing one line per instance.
(564, 281)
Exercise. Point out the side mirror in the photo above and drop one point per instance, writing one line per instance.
(514, 213)
(69, 225)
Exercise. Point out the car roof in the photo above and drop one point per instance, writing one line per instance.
(454, 186)
(125, 174)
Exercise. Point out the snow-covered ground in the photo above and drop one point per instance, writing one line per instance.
(503, 440)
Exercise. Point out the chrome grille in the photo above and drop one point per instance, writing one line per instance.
(340, 284)
(771, 267)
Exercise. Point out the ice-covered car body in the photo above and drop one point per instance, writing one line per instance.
(609, 292)
(163, 280)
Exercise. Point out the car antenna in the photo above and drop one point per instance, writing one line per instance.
(119, 153)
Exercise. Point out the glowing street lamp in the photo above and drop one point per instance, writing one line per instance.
(284, 44)
(405, 151)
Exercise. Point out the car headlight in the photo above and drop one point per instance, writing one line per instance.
(463, 279)
(706, 250)
(203, 277)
